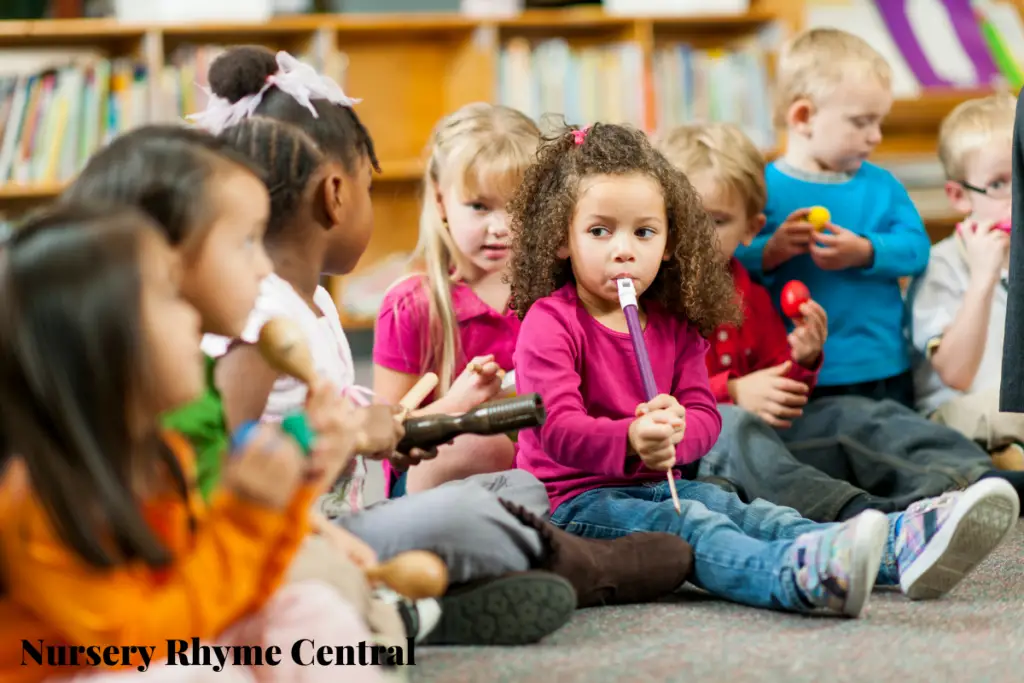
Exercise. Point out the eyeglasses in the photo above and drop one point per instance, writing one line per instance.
(997, 189)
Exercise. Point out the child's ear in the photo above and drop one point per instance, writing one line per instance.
(563, 252)
(798, 117)
(439, 198)
(755, 224)
(958, 198)
(331, 196)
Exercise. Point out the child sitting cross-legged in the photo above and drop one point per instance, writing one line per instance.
(835, 91)
(774, 445)
(600, 206)
(959, 304)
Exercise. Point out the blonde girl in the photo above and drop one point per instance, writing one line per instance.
(452, 316)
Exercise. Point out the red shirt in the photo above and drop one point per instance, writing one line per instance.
(759, 343)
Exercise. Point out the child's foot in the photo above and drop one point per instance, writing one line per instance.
(514, 609)
(419, 617)
(940, 540)
(637, 568)
(836, 568)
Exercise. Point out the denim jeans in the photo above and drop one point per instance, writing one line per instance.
(878, 454)
(741, 552)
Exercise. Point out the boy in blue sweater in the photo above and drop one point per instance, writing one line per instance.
(834, 92)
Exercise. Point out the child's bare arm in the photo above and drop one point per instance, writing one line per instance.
(958, 354)
(245, 381)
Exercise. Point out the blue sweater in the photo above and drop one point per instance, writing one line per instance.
(865, 307)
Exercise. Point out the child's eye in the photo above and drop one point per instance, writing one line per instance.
(997, 184)
(860, 121)
(598, 231)
(644, 233)
(477, 206)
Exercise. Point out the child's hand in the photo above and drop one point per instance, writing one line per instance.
(986, 250)
(771, 395)
(329, 417)
(268, 470)
(658, 429)
(478, 383)
(808, 338)
(836, 248)
(377, 429)
(400, 462)
(352, 547)
(791, 239)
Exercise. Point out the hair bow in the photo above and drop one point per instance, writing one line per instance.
(578, 136)
(299, 80)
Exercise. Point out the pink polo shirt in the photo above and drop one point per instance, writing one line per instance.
(402, 333)
(588, 377)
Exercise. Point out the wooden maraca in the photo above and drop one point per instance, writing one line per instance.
(416, 574)
(282, 345)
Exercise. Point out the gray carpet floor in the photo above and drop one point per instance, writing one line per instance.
(976, 634)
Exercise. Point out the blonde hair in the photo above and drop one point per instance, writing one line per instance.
(972, 125)
(480, 145)
(724, 151)
(814, 63)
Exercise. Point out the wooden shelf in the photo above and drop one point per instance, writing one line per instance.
(408, 170)
(351, 322)
(401, 170)
(37, 192)
(929, 109)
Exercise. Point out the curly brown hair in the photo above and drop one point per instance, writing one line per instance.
(694, 282)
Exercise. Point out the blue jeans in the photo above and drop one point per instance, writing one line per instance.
(845, 453)
(741, 552)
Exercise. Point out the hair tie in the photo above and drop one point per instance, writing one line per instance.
(299, 80)
(578, 136)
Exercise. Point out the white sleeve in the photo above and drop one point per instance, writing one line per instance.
(936, 298)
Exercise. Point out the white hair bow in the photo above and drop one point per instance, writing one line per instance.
(299, 80)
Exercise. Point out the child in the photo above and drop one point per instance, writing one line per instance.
(601, 205)
(773, 445)
(104, 540)
(959, 304)
(212, 205)
(490, 544)
(457, 309)
(834, 92)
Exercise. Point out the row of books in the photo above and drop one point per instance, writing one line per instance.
(612, 83)
(51, 122)
(52, 119)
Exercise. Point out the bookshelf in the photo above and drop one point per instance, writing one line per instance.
(412, 69)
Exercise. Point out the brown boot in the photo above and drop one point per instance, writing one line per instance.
(640, 567)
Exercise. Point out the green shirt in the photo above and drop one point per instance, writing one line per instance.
(202, 422)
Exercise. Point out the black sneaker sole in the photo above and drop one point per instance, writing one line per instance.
(516, 609)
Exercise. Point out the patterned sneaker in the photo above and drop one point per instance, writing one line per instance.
(836, 568)
(940, 540)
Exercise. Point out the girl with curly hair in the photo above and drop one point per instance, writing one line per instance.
(599, 206)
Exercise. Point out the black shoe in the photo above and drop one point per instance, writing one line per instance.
(514, 609)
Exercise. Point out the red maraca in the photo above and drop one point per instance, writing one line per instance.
(794, 295)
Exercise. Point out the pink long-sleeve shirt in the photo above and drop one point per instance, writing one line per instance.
(588, 377)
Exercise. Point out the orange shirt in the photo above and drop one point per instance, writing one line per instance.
(227, 568)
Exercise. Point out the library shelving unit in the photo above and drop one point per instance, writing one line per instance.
(412, 69)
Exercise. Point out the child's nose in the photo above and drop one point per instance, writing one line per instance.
(499, 224)
(622, 249)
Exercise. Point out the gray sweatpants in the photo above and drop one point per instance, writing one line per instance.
(461, 521)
